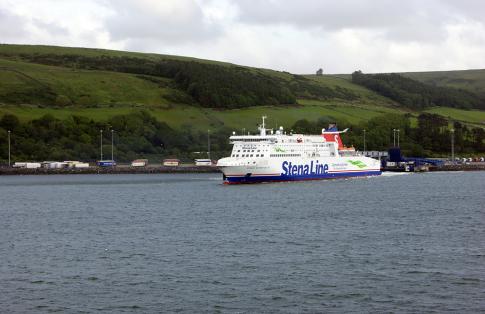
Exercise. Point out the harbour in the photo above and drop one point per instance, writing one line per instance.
(137, 243)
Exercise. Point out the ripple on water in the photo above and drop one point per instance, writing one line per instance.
(186, 243)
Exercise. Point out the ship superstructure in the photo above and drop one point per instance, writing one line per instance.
(278, 156)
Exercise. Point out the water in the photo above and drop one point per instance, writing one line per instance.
(165, 243)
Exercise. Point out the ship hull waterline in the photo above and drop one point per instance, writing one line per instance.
(269, 178)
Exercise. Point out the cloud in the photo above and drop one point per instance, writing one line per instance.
(159, 22)
(12, 26)
(411, 20)
(296, 36)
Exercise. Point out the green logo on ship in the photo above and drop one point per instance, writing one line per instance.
(357, 163)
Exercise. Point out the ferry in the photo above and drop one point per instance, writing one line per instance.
(275, 156)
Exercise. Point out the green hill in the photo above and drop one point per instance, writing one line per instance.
(472, 80)
(61, 81)
(94, 89)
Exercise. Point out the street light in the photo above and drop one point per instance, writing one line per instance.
(398, 137)
(101, 143)
(9, 148)
(394, 136)
(112, 132)
(208, 144)
(364, 143)
(452, 145)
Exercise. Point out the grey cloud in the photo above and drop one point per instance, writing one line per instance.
(173, 22)
(12, 27)
(411, 20)
(51, 28)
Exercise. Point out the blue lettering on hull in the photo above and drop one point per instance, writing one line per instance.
(313, 169)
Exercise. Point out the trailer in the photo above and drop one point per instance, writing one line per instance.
(106, 163)
(81, 165)
(139, 163)
(171, 162)
(203, 162)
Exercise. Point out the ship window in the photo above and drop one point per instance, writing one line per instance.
(257, 155)
(251, 155)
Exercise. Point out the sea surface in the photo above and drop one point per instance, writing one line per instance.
(186, 243)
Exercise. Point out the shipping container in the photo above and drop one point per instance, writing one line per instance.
(203, 162)
(139, 163)
(171, 162)
(32, 165)
(106, 163)
(81, 165)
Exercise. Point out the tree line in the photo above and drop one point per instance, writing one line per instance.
(140, 135)
(416, 95)
(431, 136)
(137, 135)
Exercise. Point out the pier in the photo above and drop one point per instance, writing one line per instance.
(119, 169)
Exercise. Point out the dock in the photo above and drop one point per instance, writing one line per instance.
(119, 169)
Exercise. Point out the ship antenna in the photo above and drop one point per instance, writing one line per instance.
(263, 127)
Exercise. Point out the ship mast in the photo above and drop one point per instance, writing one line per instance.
(262, 128)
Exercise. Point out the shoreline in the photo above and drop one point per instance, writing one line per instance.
(110, 170)
(460, 167)
(177, 169)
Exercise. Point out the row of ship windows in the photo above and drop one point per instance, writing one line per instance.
(248, 155)
(284, 155)
(248, 151)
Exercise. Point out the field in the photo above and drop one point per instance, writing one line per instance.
(474, 117)
(238, 119)
(473, 80)
(95, 87)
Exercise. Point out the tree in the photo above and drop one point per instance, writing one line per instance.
(9, 122)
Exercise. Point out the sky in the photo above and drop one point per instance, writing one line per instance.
(298, 36)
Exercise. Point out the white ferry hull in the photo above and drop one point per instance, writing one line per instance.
(255, 171)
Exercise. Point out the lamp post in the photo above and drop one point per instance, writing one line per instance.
(398, 137)
(394, 136)
(208, 144)
(101, 143)
(364, 143)
(452, 145)
(112, 150)
(9, 148)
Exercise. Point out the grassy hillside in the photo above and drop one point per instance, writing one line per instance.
(472, 80)
(30, 82)
(203, 118)
(62, 81)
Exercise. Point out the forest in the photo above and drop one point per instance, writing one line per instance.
(430, 138)
(140, 135)
(136, 135)
(417, 95)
